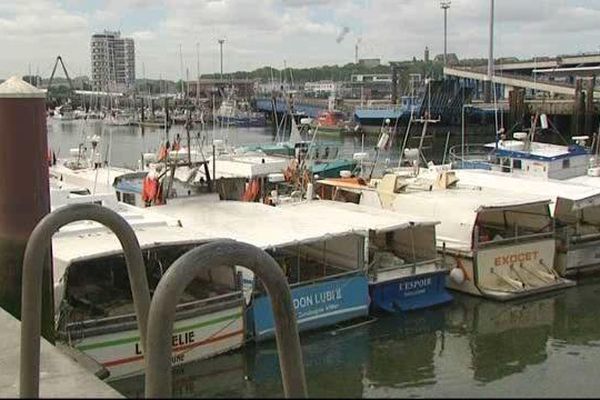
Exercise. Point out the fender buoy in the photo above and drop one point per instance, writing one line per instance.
(149, 189)
(252, 191)
(162, 153)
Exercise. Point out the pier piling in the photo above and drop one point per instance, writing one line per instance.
(24, 191)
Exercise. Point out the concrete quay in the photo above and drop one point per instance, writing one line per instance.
(60, 375)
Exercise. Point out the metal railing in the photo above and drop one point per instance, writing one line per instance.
(33, 262)
(158, 382)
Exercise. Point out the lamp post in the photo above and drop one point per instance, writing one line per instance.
(490, 70)
(445, 5)
(221, 41)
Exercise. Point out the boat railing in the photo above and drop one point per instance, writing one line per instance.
(410, 265)
(517, 238)
(326, 278)
(472, 156)
(79, 329)
(158, 381)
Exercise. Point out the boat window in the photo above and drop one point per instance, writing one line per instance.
(389, 250)
(99, 288)
(566, 163)
(517, 164)
(317, 261)
(129, 198)
(512, 223)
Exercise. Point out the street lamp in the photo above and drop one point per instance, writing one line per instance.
(445, 5)
(221, 41)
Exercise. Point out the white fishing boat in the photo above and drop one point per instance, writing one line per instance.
(324, 263)
(405, 272)
(497, 245)
(85, 168)
(575, 209)
(93, 302)
(526, 156)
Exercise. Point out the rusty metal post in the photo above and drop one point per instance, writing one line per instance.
(37, 247)
(24, 191)
(178, 277)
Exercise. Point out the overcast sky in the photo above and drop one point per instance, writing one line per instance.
(302, 32)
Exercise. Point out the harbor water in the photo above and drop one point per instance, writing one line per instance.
(545, 346)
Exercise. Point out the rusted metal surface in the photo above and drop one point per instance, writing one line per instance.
(24, 192)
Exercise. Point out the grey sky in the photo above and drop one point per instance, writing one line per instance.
(302, 32)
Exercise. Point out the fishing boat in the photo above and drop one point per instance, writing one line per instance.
(524, 155)
(405, 272)
(375, 114)
(93, 302)
(64, 112)
(85, 168)
(324, 263)
(497, 245)
(235, 113)
(575, 209)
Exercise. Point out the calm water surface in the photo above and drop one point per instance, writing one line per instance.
(543, 347)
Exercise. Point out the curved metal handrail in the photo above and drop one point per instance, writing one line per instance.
(158, 382)
(33, 263)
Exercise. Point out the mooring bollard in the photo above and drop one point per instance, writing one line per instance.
(178, 277)
(24, 192)
(37, 248)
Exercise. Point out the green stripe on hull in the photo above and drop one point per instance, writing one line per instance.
(132, 339)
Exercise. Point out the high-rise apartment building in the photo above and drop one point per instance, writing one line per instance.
(113, 62)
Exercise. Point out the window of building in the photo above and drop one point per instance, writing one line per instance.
(566, 163)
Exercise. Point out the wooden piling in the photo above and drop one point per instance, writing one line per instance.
(589, 125)
(24, 191)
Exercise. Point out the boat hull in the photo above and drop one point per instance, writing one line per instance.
(194, 338)
(410, 293)
(250, 122)
(318, 305)
(483, 269)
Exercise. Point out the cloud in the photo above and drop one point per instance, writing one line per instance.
(302, 32)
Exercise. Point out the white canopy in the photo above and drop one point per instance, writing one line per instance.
(579, 196)
(355, 216)
(457, 209)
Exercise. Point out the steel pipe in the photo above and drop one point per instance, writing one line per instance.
(178, 277)
(35, 252)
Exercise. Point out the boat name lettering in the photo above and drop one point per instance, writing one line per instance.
(514, 258)
(318, 298)
(418, 284)
(177, 340)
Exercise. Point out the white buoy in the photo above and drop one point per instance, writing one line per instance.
(544, 121)
(309, 191)
(361, 156)
(383, 141)
(457, 275)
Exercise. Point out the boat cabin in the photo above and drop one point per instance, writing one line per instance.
(496, 245)
(94, 310)
(404, 270)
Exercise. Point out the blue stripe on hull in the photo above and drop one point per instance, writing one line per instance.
(317, 305)
(410, 293)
